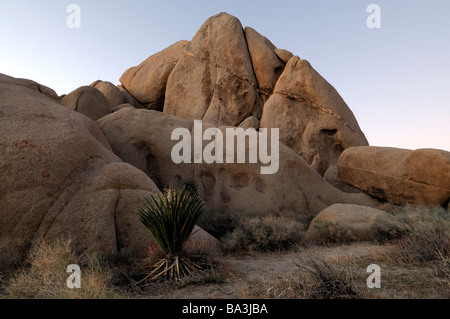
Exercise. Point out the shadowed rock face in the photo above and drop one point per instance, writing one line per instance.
(143, 138)
(60, 179)
(397, 175)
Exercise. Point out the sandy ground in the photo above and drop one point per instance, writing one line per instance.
(245, 275)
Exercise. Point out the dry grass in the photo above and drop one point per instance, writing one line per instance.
(332, 233)
(416, 235)
(45, 276)
(413, 253)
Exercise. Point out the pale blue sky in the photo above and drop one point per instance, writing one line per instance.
(395, 79)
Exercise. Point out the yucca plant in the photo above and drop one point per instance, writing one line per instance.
(171, 217)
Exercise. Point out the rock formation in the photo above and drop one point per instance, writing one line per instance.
(397, 175)
(89, 101)
(78, 166)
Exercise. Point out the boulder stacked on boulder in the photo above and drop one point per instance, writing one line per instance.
(214, 79)
(227, 74)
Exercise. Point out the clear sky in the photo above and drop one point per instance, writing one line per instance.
(396, 79)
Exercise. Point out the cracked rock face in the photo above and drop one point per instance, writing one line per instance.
(397, 175)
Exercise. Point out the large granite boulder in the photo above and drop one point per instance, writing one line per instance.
(111, 92)
(399, 176)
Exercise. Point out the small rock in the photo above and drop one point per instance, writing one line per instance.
(283, 55)
(350, 222)
(89, 101)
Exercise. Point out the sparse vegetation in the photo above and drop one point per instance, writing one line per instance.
(332, 233)
(417, 234)
(412, 251)
(204, 278)
(319, 279)
(268, 233)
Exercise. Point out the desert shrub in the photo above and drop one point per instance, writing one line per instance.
(320, 279)
(332, 233)
(269, 233)
(417, 234)
(45, 276)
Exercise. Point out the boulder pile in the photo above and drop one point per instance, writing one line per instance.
(78, 166)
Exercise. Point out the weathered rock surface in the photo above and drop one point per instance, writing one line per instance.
(268, 67)
(312, 117)
(214, 79)
(398, 176)
(121, 106)
(37, 86)
(60, 179)
(352, 221)
(147, 81)
(143, 139)
(89, 101)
